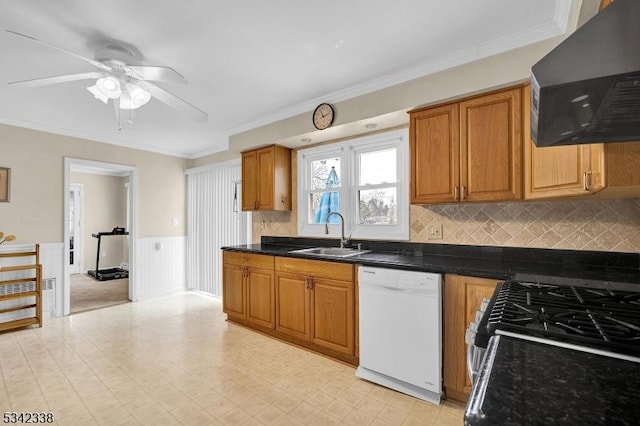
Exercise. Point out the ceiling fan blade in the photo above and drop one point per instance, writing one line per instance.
(177, 103)
(91, 61)
(58, 79)
(157, 73)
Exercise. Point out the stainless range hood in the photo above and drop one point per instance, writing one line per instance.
(587, 89)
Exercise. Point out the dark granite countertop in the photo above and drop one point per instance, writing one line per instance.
(538, 384)
(603, 268)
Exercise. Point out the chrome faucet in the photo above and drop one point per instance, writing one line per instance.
(343, 240)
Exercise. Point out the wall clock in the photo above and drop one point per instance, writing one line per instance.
(323, 116)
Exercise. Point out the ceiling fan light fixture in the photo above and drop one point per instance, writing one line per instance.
(126, 101)
(109, 86)
(138, 95)
(97, 93)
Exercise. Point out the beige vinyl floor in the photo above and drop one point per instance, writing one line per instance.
(175, 360)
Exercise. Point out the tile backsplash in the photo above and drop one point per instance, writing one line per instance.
(604, 225)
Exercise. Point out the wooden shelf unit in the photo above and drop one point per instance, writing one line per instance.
(35, 293)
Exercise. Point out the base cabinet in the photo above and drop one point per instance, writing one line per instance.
(310, 303)
(462, 298)
(248, 288)
(315, 303)
(233, 290)
(333, 314)
(293, 312)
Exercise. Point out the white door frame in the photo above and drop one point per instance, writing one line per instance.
(78, 243)
(130, 171)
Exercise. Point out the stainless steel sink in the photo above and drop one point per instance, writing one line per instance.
(330, 251)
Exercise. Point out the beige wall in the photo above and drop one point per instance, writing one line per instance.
(103, 209)
(36, 160)
(494, 72)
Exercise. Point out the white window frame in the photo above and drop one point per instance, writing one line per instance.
(348, 152)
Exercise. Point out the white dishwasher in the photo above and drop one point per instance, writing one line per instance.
(400, 331)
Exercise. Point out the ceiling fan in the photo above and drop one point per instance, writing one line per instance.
(129, 86)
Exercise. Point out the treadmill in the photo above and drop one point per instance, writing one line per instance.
(108, 273)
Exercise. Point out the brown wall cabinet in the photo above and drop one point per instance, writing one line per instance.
(266, 179)
(469, 150)
(610, 169)
(462, 298)
(248, 288)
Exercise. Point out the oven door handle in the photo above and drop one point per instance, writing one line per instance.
(471, 362)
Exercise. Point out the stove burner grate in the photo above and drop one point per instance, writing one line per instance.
(594, 317)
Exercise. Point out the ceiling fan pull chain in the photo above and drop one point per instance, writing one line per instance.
(116, 108)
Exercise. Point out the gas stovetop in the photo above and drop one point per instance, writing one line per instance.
(591, 317)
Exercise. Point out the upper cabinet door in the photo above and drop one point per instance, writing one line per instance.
(559, 171)
(435, 154)
(249, 180)
(266, 178)
(491, 147)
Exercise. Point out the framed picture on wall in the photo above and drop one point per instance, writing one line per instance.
(5, 184)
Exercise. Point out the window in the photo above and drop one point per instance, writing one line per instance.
(365, 179)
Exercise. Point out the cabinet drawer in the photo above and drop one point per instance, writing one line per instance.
(247, 259)
(315, 268)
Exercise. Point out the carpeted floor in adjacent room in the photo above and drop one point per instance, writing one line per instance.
(88, 294)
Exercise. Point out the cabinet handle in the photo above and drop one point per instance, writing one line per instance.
(462, 193)
(309, 283)
(455, 193)
(587, 181)
(245, 271)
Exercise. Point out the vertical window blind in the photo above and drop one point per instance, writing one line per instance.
(214, 220)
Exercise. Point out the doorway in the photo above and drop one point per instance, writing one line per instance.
(75, 228)
(101, 200)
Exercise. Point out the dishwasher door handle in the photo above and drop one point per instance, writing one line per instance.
(402, 290)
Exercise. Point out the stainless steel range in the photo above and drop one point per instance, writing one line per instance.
(598, 326)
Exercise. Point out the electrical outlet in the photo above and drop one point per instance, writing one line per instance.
(434, 232)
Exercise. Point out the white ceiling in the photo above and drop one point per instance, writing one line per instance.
(248, 63)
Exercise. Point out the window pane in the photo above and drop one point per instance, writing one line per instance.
(320, 204)
(321, 175)
(378, 167)
(377, 207)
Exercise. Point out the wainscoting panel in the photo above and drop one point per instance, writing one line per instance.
(160, 266)
(52, 261)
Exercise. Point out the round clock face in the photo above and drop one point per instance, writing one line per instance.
(323, 116)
